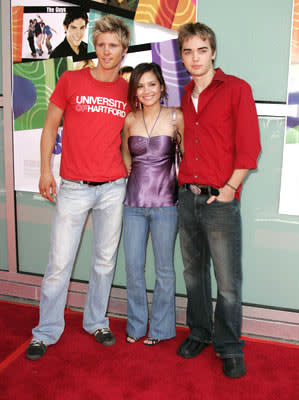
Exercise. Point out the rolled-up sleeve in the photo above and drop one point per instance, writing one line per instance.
(247, 139)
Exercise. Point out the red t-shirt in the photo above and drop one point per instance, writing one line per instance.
(222, 135)
(94, 114)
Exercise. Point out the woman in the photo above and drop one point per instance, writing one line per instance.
(148, 149)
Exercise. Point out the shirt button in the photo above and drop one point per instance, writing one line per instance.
(196, 141)
(196, 158)
(195, 176)
(196, 123)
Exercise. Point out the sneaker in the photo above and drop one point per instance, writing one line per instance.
(36, 350)
(105, 336)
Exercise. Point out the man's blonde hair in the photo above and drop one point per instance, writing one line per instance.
(112, 24)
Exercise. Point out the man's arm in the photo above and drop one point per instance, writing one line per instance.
(227, 192)
(47, 184)
(247, 142)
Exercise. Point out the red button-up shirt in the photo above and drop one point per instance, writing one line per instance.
(222, 135)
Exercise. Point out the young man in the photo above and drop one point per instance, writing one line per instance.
(47, 36)
(94, 104)
(221, 143)
(30, 37)
(75, 23)
(38, 35)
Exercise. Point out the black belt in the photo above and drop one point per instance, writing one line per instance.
(90, 183)
(199, 189)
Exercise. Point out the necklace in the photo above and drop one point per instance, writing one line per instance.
(156, 120)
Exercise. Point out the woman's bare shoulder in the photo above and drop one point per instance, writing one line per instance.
(130, 118)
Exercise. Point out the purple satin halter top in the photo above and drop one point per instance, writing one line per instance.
(152, 182)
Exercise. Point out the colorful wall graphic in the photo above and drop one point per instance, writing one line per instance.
(289, 191)
(168, 13)
(17, 32)
(35, 72)
(33, 84)
(167, 55)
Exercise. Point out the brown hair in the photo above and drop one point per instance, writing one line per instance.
(75, 13)
(203, 31)
(135, 78)
(126, 69)
(112, 24)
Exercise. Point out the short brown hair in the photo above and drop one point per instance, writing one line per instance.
(203, 31)
(136, 76)
(75, 13)
(112, 24)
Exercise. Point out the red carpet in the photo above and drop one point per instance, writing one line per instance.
(78, 368)
(16, 323)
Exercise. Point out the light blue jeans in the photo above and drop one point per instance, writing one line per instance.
(74, 201)
(162, 223)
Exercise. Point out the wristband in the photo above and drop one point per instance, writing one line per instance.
(231, 186)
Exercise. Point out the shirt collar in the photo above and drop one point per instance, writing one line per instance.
(219, 76)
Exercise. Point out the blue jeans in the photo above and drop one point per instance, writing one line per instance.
(162, 223)
(212, 231)
(74, 200)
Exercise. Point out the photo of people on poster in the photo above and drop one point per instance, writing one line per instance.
(48, 30)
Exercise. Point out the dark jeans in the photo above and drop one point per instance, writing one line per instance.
(31, 44)
(212, 231)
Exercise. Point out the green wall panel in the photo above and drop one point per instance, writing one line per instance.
(1, 87)
(253, 40)
(270, 249)
(3, 232)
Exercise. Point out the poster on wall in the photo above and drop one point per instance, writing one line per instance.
(289, 190)
(44, 47)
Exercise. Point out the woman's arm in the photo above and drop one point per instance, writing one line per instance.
(125, 152)
(180, 127)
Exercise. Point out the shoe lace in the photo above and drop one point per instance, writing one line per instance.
(36, 343)
(104, 331)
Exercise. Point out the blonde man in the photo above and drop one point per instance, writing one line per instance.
(94, 105)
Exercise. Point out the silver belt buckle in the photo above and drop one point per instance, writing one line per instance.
(195, 189)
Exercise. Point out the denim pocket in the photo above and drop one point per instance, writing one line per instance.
(230, 207)
(68, 184)
(120, 181)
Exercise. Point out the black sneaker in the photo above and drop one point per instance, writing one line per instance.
(105, 336)
(36, 350)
